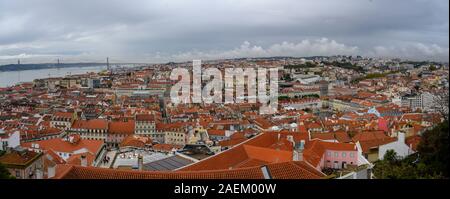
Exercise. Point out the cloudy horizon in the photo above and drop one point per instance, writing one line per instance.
(181, 30)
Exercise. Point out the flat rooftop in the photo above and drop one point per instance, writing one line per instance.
(130, 158)
(168, 164)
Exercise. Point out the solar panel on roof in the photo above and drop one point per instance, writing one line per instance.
(169, 163)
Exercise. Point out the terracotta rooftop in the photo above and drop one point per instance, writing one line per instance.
(90, 124)
(216, 132)
(136, 141)
(120, 127)
(266, 148)
(372, 139)
(19, 159)
(60, 145)
(413, 142)
(63, 114)
(286, 170)
(340, 136)
(263, 123)
(231, 142)
(166, 147)
(76, 158)
(145, 117)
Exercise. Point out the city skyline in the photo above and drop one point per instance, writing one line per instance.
(190, 89)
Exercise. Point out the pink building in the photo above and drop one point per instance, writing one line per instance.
(330, 154)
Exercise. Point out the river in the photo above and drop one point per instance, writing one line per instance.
(11, 78)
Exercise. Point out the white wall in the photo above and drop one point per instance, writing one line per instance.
(14, 139)
(399, 147)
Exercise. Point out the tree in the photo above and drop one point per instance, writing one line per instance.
(4, 173)
(432, 68)
(431, 161)
(433, 148)
(390, 156)
(440, 102)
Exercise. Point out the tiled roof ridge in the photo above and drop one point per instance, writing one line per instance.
(233, 148)
(220, 173)
(309, 169)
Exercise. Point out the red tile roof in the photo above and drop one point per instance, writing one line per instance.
(372, 139)
(413, 142)
(216, 132)
(145, 117)
(294, 170)
(60, 145)
(136, 141)
(263, 123)
(340, 136)
(231, 142)
(120, 127)
(265, 147)
(52, 156)
(287, 170)
(90, 124)
(76, 159)
(19, 159)
(165, 147)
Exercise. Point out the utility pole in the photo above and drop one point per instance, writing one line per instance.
(57, 63)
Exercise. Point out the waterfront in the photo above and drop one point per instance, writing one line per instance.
(10, 78)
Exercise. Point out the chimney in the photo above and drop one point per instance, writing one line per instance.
(84, 161)
(298, 151)
(140, 162)
(290, 138)
(401, 137)
(297, 155)
(266, 172)
(51, 171)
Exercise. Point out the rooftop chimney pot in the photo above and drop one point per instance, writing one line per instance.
(84, 161)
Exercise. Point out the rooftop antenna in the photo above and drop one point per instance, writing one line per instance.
(107, 63)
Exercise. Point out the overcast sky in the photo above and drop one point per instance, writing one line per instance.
(181, 30)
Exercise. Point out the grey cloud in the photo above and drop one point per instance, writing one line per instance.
(138, 29)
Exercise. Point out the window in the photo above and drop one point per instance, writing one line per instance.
(329, 154)
(352, 155)
(344, 154)
(336, 154)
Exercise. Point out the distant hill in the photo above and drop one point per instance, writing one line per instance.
(19, 67)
